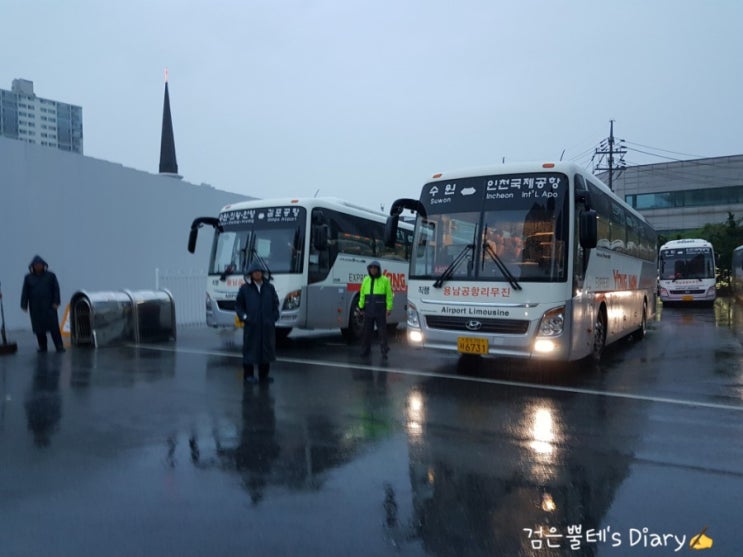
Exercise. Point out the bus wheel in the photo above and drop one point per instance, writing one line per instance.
(599, 335)
(642, 331)
(355, 329)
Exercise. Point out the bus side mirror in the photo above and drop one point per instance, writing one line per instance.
(320, 240)
(390, 231)
(192, 239)
(588, 229)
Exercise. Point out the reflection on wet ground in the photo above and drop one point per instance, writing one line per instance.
(161, 450)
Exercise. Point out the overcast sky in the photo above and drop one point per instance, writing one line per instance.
(366, 100)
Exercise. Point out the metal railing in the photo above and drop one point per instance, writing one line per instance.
(188, 289)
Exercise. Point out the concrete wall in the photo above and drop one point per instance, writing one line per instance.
(100, 226)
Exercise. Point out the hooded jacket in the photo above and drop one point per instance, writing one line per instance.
(258, 310)
(376, 292)
(40, 295)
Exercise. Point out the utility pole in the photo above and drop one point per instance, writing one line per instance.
(607, 149)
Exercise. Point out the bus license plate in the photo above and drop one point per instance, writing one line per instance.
(472, 345)
(687, 298)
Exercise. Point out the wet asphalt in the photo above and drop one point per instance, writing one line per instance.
(161, 450)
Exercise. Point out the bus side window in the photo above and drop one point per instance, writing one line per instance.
(319, 260)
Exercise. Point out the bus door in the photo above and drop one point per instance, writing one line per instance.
(323, 293)
(583, 305)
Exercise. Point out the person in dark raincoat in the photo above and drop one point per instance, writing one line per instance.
(257, 307)
(40, 296)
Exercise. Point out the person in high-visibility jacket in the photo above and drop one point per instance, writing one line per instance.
(375, 300)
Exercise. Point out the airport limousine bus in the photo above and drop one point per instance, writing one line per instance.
(535, 261)
(686, 271)
(316, 251)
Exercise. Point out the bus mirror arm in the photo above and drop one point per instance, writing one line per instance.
(585, 198)
(390, 230)
(390, 227)
(198, 223)
(410, 204)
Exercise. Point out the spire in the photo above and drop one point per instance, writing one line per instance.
(168, 164)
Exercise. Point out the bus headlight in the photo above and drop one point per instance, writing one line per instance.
(293, 300)
(544, 346)
(413, 319)
(208, 302)
(553, 323)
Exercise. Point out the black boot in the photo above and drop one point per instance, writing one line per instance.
(249, 374)
(263, 377)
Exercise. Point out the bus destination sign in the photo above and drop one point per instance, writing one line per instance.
(259, 216)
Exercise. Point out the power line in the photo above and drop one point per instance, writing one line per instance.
(665, 150)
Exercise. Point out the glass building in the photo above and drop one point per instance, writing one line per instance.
(684, 195)
(29, 118)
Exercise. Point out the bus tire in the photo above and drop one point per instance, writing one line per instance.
(355, 329)
(599, 335)
(642, 331)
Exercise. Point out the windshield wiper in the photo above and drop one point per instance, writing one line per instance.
(252, 253)
(248, 251)
(262, 263)
(486, 248)
(229, 269)
(449, 271)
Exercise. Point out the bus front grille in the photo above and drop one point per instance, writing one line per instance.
(501, 326)
(678, 292)
(226, 305)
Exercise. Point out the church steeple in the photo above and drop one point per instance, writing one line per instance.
(168, 164)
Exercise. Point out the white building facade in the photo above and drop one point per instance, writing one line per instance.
(684, 195)
(39, 121)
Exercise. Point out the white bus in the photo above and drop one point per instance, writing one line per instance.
(316, 251)
(526, 260)
(686, 271)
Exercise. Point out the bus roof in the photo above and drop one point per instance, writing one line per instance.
(510, 168)
(686, 243)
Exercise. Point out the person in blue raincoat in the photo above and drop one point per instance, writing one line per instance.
(257, 307)
(40, 297)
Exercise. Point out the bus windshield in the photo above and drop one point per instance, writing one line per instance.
(687, 263)
(517, 225)
(277, 241)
